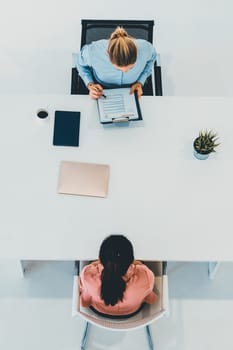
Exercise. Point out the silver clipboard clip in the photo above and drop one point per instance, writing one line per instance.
(124, 118)
(120, 120)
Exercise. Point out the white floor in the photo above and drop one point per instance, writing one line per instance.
(35, 312)
(195, 41)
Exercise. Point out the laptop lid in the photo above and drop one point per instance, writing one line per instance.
(84, 179)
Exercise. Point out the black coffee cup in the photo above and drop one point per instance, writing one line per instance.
(42, 113)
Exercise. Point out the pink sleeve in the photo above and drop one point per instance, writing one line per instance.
(85, 298)
(151, 297)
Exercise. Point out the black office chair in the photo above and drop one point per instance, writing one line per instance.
(93, 30)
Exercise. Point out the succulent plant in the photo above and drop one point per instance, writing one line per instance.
(205, 143)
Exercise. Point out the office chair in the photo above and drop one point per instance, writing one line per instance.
(147, 315)
(93, 30)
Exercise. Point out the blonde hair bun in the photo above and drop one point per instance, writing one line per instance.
(118, 33)
(122, 49)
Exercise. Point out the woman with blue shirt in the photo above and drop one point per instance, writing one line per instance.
(118, 62)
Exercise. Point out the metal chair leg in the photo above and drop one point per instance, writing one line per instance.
(21, 269)
(212, 269)
(149, 338)
(85, 336)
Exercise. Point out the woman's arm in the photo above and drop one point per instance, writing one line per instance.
(151, 297)
(85, 298)
(84, 68)
(136, 87)
(147, 71)
(83, 65)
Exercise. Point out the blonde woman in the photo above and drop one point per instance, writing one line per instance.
(118, 62)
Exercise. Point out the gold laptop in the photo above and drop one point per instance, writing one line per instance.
(84, 179)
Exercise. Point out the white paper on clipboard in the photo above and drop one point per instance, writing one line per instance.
(118, 105)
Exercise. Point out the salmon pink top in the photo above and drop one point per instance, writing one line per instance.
(139, 289)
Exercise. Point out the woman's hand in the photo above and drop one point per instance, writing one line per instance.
(137, 262)
(136, 87)
(95, 90)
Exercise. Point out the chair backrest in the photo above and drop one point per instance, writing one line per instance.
(93, 30)
(147, 315)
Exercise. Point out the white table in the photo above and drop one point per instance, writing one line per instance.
(171, 205)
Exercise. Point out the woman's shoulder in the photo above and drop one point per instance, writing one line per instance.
(145, 48)
(139, 275)
(94, 268)
(141, 269)
(143, 43)
(98, 45)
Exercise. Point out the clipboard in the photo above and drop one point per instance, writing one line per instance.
(118, 106)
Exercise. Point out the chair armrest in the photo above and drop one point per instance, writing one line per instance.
(165, 300)
(79, 265)
(164, 266)
(74, 59)
(76, 268)
(158, 61)
(75, 297)
(77, 85)
(158, 77)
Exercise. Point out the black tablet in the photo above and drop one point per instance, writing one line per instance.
(66, 128)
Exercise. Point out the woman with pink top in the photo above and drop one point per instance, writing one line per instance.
(116, 284)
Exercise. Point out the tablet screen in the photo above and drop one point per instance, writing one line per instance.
(66, 128)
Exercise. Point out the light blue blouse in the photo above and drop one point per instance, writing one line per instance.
(94, 58)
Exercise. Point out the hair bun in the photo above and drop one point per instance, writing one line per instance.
(118, 33)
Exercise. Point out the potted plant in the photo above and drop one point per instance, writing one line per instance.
(205, 144)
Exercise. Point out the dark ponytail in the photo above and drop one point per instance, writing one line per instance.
(116, 255)
(113, 286)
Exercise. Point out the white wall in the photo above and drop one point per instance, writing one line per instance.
(36, 41)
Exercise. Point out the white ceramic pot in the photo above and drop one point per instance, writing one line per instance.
(200, 156)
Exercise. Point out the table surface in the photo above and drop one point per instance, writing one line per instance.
(170, 205)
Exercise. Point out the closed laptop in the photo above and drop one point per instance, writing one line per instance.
(84, 179)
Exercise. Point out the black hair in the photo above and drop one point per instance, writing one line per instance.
(116, 255)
